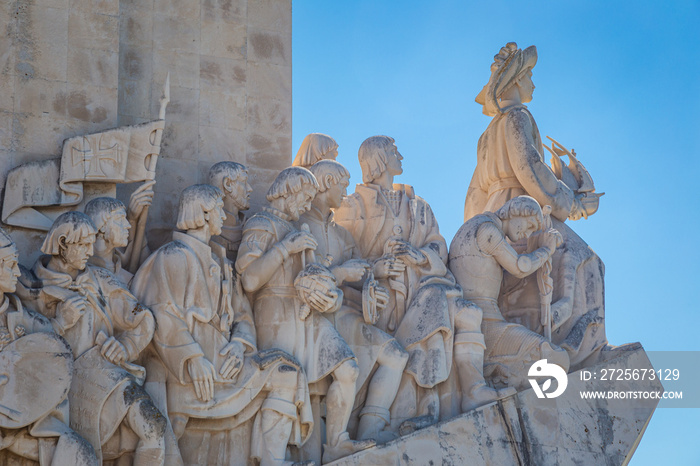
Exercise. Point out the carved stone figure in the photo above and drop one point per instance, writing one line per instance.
(315, 147)
(397, 231)
(478, 254)
(510, 163)
(372, 347)
(35, 375)
(232, 179)
(206, 341)
(106, 329)
(113, 231)
(272, 253)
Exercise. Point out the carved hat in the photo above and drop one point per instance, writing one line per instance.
(313, 148)
(510, 63)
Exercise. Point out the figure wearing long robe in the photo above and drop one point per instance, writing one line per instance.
(200, 308)
(510, 163)
(420, 301)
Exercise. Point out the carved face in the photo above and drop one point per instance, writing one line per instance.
(215, 218)
(393, 160)
(77, 254)
(526, 87)
(337, 192)
(239, 191)
(117, 229)
(300, 202)
(517, 228)
(331, 154)
(9, 270)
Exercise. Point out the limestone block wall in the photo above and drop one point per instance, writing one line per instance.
(58, 79)
(230, 64)
(69, 67)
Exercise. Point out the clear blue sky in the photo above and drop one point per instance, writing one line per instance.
(617, 81)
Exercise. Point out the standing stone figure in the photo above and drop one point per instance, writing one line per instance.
(106, 328)
(372, 347)
(231, 178)
(33, 427)
(206, 340)
(315, 147)
(510, 163)
(397, 231)
(273, 252)
(478, 254)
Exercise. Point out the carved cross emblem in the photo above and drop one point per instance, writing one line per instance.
(92, 158)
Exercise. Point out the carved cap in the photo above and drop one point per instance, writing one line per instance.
(509, 64)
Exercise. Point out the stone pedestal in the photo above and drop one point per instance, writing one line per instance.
(525, 430)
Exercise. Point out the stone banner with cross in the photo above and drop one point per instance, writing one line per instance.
(37, 192)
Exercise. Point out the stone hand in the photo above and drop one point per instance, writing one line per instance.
(407, 253)
(388, 267)
(323, 302)
(234, 361)
(113, 351)
(381, 295)
(551, 239)
(141, 198)
(298, 241)
(352, 270)
(202, 372)
(69, 311)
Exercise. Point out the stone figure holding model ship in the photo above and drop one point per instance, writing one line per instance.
(510, 163)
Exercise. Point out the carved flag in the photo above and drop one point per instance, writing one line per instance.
(37, 192)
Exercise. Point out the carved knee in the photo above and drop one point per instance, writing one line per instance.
(347, 372)
(283, 377)
(468, 316)
(393, 356)
(152, 420)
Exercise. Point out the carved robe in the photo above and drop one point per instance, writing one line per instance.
(200, 308)
(99, 387)
(313, 341)
(421, 301)
(510, 163)
(365, 340)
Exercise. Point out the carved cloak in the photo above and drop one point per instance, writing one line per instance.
(185, 286)
(113, 311)
(420, 301)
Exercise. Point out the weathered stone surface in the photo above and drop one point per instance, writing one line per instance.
(526, 430)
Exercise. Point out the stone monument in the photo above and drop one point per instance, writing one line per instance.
(267, 317)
